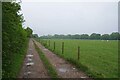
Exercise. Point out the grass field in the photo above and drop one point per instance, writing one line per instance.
(99, 57)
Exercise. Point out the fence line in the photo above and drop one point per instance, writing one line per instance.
(54, 46)
(49, 43)
(78, 52)
(62, 47)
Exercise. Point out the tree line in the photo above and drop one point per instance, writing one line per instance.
(93, 36)
(14, 39)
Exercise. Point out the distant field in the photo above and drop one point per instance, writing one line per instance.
(100, 57)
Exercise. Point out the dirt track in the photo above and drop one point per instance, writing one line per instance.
(33, 66)
(63, 68)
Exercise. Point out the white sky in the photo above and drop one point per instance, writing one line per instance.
(71, 17)
(69, 0)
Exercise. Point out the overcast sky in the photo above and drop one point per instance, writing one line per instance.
(71, 17)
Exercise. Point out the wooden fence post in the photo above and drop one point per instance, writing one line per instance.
(49, 43)
(62, 47)
(78, 52)
(54, 46)
(46, 43)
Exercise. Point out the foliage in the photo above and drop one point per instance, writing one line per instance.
(29, 31)
(14, 39)
(34, 35)
(84, 36)
(105, 37)
(115, 36)
(93, 36)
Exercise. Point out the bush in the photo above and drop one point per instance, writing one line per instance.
(14, 39)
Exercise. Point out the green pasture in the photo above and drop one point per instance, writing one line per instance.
(98, 58)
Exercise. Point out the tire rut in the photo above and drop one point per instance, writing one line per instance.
(32, 65)
(63, 68)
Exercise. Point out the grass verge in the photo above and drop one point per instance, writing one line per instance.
(19, 59)
(48, 66)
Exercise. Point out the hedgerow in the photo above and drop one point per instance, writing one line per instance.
(14, 39)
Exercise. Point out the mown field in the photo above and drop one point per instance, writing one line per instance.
(97, 58)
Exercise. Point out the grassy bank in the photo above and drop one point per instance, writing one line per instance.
(17, 61)
(51, 71)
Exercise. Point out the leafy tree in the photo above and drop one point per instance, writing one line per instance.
(76, 36)
(69, 36)
(35, 36)
(14, 39)
(56, 36)
(105, 37)
(84, 36)
(29, 31)
(114, 36)
(95, 36)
